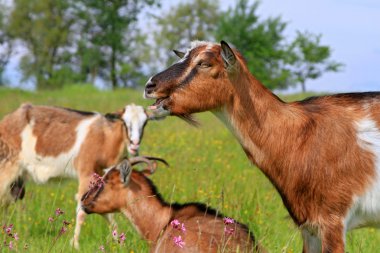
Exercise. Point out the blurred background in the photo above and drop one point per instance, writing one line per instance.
(290, 45)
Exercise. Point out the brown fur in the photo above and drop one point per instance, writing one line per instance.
(307, 149)
(151, 215)
(55, 132)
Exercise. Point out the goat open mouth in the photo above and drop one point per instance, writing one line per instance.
(159, 109)
(159, 103)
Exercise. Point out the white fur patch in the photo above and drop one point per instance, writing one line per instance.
(366, 208)
(42, 168)
(135, 118)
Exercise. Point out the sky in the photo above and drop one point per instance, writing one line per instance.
(350, 27)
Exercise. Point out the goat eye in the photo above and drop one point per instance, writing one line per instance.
(204, 64)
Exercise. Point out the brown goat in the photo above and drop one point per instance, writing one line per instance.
(322, 154)
(45, 142)
(167, 227)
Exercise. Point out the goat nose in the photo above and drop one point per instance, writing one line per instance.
(135, 142)
(149, 87)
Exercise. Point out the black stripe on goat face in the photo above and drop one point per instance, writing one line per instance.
(173, 74)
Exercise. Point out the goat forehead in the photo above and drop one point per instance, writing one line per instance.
(134, 114)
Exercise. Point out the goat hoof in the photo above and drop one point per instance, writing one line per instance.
(74, 243)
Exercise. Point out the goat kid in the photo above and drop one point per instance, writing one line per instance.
(167, 227)
(322, 154)
(49, 142)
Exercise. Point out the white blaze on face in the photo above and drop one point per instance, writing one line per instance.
(135, 119)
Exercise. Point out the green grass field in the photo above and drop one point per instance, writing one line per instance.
(206, 165)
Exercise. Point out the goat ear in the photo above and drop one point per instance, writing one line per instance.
(179, 53)
(228, 56)
(125, 169)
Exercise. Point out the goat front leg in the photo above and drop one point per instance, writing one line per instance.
(311, 241)
(80, 217)
(333, 238)
(84, 181)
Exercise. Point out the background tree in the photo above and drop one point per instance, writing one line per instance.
(43, 27)
(184, 22)
(5, 43)
(261, 42)
(108, 38)
(309, 59)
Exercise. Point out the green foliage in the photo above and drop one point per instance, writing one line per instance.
(44, 27)
(261, 42)
(184, 22)
(5, 43)
(110, 39)
(206, 165)
(310, 59)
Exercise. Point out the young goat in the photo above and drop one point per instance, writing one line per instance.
(49, 142)
(322, 154)
(167, 227)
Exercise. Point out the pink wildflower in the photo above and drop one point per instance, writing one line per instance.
(10, 245)
(65, 223)
(96, 182)
(229, 231)
(177, 225)
(122, 238)
(58, 211)
(114, 234)
(51, 219)
(8, 229)
(228, 220)
(183, 228)
(178, 241)
(63, 230)
(15, 236)
(101, 248)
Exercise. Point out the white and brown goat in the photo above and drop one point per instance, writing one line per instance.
(45, 142)
(166, 227)
(322, 154)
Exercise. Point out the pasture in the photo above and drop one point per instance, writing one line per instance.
(206, 165)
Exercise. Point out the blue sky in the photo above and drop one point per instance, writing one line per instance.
(350, 27)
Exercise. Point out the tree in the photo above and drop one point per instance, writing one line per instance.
(185, 22)
(309, 59)
(5, 43)
(261, 42)
(108, 35)
(44, 28)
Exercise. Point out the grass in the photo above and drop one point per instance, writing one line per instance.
(207, 165)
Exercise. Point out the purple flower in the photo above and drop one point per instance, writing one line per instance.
(229, 231)
(10, 245)
(122, 238)
(114, 234)
(65, 223)
(175, 223)
(178, 241)
(8, 229)
(228, 220)
(101, 248)
(96, 182)
(63, 230)
(58, 211)
(183, 228)
(51, 219)
(15, 236)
